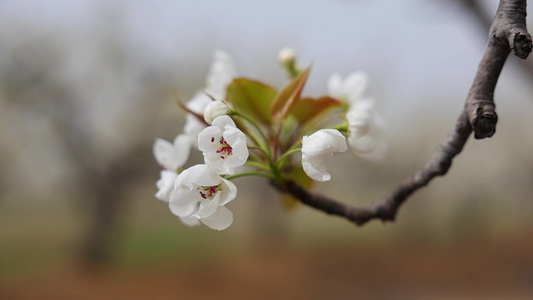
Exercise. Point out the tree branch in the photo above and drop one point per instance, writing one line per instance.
(507, 33)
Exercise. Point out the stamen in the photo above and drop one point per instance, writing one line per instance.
(208, 192)
(225, 148)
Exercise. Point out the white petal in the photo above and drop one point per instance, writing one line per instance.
(198, 103)
(220, 220)
(323, 142)
(316, 172)
(228, 193)
(198, 175)
(165, 185)
(182, 140)
(221, 74)
(362, 144)
(162, 149)
(313, 145)
(192, 128)
(237, 141)
(240, 150)
(190, 221)
(355, 85)
(172, 156)
(209, 138)
(222, 121)
(184, 202)
(337, 140)
(208, 206)
(232, 134)
(318, 148)
(335, 89)
(377, 154)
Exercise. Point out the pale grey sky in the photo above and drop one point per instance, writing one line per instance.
(411, 48)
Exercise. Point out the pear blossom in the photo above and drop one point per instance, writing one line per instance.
(214, 109)
(172, 156)
(365, 126)
(364, 123)
(223, 145)
(200, 193)
(165, 187)
(221, 73)
(317, 149)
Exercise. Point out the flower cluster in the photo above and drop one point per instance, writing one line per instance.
(238, 121)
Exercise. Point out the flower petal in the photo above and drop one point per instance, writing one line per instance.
(316, 172)
(183, 202)
(208, 207)
(228, 193)
(335, 88)
(355, 85)
(220, 220)
(165, 185)
(198, 175)
(162, 149)
(222, 121)
(172, 156)
(319, 147)
(208, 139)
(190, 221)
(221, 74)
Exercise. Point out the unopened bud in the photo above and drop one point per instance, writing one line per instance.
(287, 56)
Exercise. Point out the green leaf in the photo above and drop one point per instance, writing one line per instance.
(251, 98)
(307, 109)
(288, 97)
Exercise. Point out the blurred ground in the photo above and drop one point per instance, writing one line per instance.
(481, 268)
(310, 256)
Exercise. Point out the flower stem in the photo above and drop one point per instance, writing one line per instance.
(236, 113)
(342, 127)
(258, 165)
(262, 174)
(286, 155)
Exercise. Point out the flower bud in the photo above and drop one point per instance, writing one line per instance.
(287, 56)
(215, 109)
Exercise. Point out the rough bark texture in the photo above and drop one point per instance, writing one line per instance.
(507, 33)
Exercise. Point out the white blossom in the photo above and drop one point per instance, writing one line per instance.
(365, 130)
(223, 145)
(172, 156)
(221, 73)
(365, 125)
(317, 149)
(200, 193)
(215, 109)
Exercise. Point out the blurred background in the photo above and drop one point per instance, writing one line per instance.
(86, 87)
